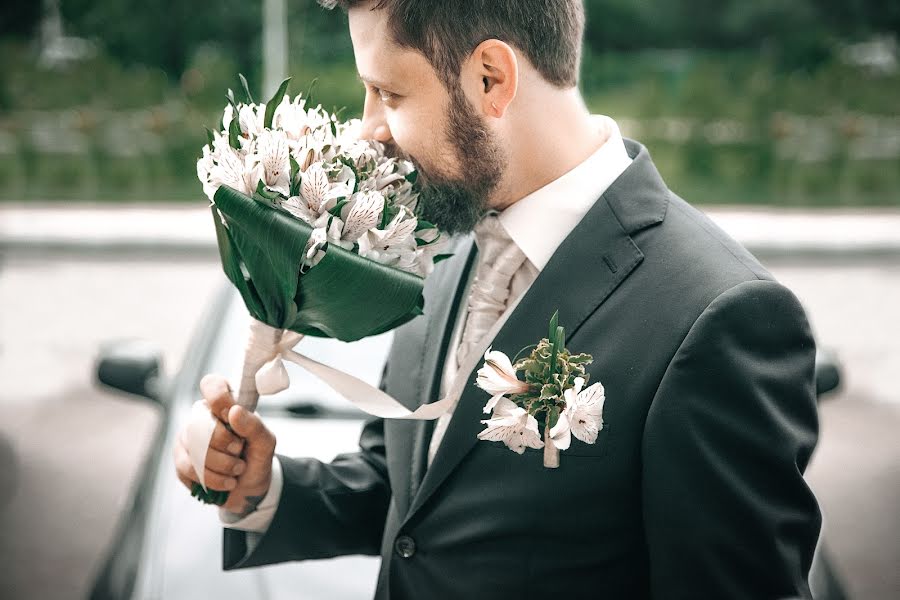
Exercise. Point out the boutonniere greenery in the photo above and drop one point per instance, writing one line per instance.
(549, 405)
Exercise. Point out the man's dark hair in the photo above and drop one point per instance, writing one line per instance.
(548, 32)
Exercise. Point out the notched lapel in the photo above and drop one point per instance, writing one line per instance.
(586, 268)
(419, 366)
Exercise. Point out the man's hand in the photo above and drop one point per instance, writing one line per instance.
(238, 462)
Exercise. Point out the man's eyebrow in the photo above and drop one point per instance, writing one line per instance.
(372, 81)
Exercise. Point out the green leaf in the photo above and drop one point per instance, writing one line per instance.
(246, 87)
(438, 258)
(554, 416)
(210, 136)
(295, 181)
(337, 208)
(262, 191)
(423, 224)
(272, 104)
(412, 177)
(230, 97)
(554, 323)
(234, 134)
(549, 390)
(384, 215)
(309, 92)
(345, 296)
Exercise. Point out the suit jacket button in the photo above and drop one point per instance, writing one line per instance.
(405, 546)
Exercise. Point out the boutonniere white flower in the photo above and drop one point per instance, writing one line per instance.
(547, 407)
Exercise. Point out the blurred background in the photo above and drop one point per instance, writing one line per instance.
(781, 119)
(767, 102)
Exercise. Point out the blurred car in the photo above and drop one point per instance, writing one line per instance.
(168, 545)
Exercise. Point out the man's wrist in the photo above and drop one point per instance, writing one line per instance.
(257, 512)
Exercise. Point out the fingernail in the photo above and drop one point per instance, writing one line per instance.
(238, 468)
(234, 447)
(230, 483)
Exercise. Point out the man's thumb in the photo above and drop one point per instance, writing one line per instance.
(250, 427)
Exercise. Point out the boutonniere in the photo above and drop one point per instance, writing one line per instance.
(549, 406)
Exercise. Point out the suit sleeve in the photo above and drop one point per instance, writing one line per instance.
(727, 438)
(325, 509)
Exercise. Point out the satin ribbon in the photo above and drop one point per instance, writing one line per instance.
(264, 373)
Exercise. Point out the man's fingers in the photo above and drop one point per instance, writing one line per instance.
(183, 467)
(224, 464)
(225, 441)
(212, 479)
(217, 393)
(260, 441)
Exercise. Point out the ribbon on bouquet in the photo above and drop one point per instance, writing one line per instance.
(264, 373)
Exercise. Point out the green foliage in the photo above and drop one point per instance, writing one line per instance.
(344, 296)
(127, 122)
(549, 370)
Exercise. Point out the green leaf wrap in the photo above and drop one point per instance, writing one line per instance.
(345, 296)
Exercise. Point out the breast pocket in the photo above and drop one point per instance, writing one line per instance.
(599, 449)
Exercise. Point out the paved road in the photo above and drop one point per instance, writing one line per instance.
(71, 450)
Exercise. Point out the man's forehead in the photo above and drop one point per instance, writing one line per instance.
(379, 60)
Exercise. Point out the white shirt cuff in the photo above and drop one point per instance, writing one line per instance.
(259, 520)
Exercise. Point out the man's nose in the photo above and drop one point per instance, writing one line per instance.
(374, 125)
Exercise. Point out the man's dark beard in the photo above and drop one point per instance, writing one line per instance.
(455, 205)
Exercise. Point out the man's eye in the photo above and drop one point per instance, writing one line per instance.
(383, 94)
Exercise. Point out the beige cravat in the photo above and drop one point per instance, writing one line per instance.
(500, 261)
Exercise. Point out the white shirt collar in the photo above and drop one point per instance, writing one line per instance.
(539, 222)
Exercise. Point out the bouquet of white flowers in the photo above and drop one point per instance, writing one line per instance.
(305, 160)
(317, 229)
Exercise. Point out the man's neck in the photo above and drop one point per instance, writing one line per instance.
(550, 138)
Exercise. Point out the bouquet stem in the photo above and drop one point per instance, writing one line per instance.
(551, 452)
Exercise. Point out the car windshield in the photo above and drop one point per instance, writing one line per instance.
(364, 359)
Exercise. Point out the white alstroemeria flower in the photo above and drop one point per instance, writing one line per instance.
(251, 118)
(314, 252)
(512, 425)
(498, 377)
(314, 187)
(393, 240)
(584, 409)
(291, 117)
(298, 207)
(273, 155)
(561, 433)
(364, 214)
(233, 170)
(227, 117)
(349, 131)
(311, 147)
(204, 167)
(360, 152)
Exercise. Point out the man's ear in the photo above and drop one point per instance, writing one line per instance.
(495, 63)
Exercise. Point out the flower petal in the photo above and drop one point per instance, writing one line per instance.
(365, 214)
(314, 186)
(586, 415)
(561, 433)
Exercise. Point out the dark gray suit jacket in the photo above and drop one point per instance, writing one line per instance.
(694, 488)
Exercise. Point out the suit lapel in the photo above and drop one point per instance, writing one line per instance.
(407, 455)
(592, 261)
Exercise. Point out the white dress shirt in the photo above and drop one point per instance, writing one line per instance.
(538, 224)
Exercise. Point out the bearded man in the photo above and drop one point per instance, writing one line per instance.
(694, 487)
